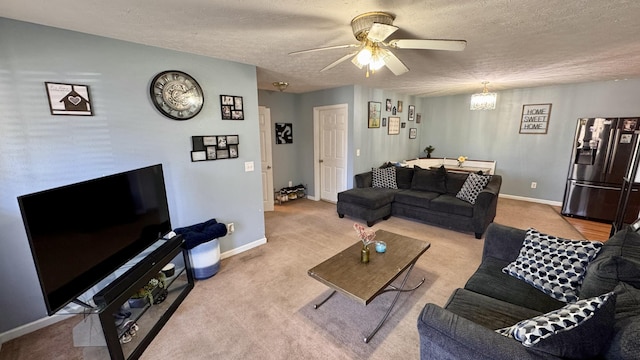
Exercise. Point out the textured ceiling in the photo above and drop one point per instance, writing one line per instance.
(510, 43)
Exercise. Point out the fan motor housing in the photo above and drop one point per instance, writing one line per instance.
(362, 23)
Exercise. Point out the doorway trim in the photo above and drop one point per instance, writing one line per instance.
(316, 147)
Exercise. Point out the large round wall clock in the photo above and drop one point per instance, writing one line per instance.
(176, 95)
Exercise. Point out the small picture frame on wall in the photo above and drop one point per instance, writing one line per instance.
(231, 107)
(384, 122)
(413, 133)
(214, 147)
(69, 99)
(412, 113)
(389, 105)
(418, 118)
(375, 109)
(399, 105)
(403, 125)
(394, 125)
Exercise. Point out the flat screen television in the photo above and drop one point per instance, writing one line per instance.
(81, 233)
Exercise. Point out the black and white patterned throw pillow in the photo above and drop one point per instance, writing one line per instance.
(532, 331)
(384, 178)
(553, 265)
(472, 187)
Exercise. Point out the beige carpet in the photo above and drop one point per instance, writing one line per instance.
(260, 304)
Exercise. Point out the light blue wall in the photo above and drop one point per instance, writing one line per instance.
(40, 151)
(454, 130)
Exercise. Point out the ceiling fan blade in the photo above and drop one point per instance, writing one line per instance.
(379, 32)
(324, 48)
(333, 64)
(425, 44)
(394, 64)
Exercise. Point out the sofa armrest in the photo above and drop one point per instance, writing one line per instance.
(445, 335)
(486, 205)
(364, 180)
(503, 242)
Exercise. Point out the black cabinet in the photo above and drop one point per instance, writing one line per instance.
(150, 318)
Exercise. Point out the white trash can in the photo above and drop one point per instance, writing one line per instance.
(205, 259)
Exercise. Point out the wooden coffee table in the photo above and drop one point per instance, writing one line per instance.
(361, 282)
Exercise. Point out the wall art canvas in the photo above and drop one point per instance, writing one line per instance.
(284, 133)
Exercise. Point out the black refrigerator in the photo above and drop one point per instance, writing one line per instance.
(599, 162)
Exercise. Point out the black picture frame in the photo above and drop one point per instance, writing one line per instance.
(413, 133)
(231, 107)
(284, 133)
(69, 99)
(214, 147)
(412, 113)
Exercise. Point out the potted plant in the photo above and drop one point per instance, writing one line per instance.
(429, 149)
(150, 293)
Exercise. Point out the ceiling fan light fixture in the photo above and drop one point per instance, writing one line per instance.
(364, 56)
(484, 100)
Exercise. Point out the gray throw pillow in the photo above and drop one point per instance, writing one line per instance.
(472, 187)
(384, 178)
(429, 180)
(553, 265)
(624, 344)
(575, 331)
(605, 272)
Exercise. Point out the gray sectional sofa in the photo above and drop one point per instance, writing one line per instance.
(422, 194)
(492, 299)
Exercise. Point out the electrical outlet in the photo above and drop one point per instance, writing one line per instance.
(534, 185)
(230, 228)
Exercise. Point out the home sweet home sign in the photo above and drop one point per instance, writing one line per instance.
(535, 118)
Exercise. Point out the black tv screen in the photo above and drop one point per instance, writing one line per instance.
(81, 233)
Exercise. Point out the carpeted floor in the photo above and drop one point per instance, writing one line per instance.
(260, 304)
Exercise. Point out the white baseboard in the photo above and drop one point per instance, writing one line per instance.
(540, 201)
(50, 320)
(243, 248)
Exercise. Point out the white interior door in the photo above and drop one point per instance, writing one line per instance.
(264, 115)
(330, 128)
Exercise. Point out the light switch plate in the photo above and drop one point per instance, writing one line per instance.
(248, 166)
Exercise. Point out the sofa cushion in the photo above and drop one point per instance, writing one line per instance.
(384, 178)
(553, 265)
(429, 180)
(404, 176)
(605, 272)
(489, 280)
(575, 331)
(371, 198)
(455, 181)
(472, 187)
(449, 204)
(624, 343)
(420, 199)
(487, 311)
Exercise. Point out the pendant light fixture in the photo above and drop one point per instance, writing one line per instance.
(484, 100)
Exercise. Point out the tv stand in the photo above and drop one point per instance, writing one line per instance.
(128, 337)
(83, 304)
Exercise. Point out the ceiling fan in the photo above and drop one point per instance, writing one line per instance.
(373, 52)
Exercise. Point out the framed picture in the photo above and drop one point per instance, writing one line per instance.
(222, 153)
(389, 105)
(231, 107)
(69, 99)
(374, 114)
(413, 133)
(233, 151)
(222, 142)
(284, 133)
(393, 111)
(233, 140)
(209, 140)
(535, 118)
(399, 105)
(403, 125)
(394, 125)
(211, 152)
(198, 156)
(384, 122)
(412, 112)
(418, 118)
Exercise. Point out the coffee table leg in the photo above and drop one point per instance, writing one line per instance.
(325, 300)
(399, 290)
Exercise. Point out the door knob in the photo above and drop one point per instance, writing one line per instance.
(268, 167)
(321, 161)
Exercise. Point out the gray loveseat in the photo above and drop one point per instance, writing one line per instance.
(425, 195)
(491, 299)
